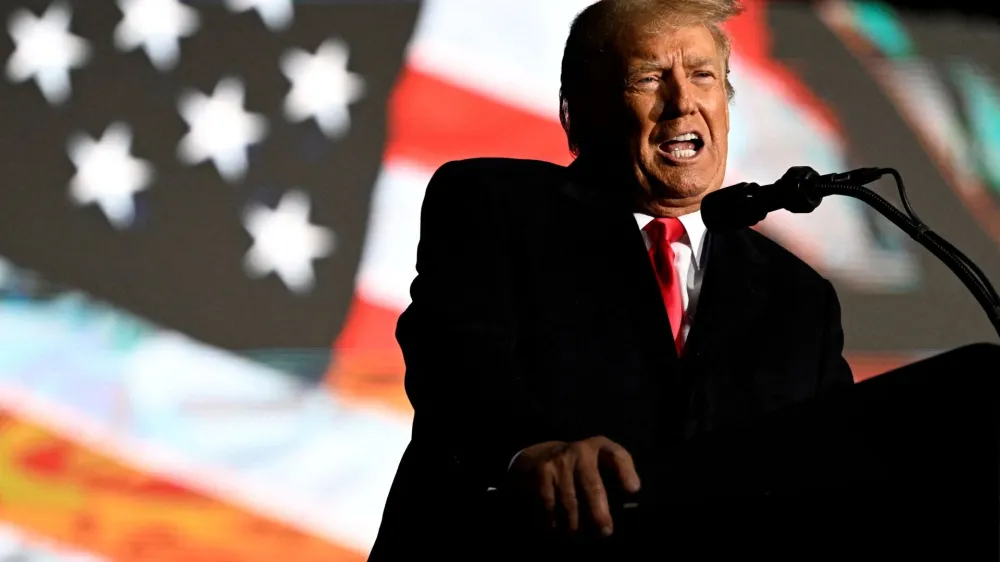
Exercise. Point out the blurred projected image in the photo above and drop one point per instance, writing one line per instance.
(110, 415)
(842, 238)
(945, 79)
(228, 194)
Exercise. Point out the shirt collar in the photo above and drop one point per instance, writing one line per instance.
(694, 228)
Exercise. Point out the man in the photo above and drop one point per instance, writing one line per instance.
(570, 326)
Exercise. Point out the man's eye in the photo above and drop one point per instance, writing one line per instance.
(647, 80)
(704, 74)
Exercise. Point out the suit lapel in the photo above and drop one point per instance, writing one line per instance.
(621, 263)
(734, 291)
(640, 293)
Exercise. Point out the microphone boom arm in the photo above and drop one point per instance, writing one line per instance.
(967, 271)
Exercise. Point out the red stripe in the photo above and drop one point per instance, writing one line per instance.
(368, 326)
(433, 121)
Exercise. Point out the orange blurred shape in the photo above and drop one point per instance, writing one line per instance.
(58, 489)
(866, 366)
(367, 364)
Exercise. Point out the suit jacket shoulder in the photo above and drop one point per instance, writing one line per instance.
(503, 178)
(782, 260)
(504, 169)
(524, 185)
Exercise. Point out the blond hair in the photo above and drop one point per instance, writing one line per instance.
(591, 46)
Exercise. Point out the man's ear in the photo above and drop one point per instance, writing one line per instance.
(729, 103)
(729, 99)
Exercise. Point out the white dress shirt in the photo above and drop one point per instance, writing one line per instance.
(687, 263)
(687, 258)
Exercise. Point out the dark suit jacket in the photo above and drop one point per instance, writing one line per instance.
(536, 316)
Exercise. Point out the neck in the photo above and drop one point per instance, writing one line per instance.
(666, 208)
(604, 176)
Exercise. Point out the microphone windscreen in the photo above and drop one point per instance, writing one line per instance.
(734, 207)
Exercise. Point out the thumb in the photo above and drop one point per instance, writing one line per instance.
(621, 461)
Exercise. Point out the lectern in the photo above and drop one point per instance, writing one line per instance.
(904, 466)
(901, 466)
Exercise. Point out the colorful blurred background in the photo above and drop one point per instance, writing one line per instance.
(209, 218)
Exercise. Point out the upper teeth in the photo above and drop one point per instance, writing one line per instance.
(684, 137)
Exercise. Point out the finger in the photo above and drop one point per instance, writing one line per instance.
(547, 491)
(567, 493)
(589, 480)
(621, 461)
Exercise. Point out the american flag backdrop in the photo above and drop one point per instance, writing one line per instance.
(209, 213)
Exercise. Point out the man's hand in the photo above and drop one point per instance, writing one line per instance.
(566, 477)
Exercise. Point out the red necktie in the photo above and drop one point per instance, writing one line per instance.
(662, 233)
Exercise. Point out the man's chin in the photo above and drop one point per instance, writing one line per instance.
(683, 188)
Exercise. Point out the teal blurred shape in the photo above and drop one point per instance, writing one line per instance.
(878, 22)
(308, 364)
(981, 98)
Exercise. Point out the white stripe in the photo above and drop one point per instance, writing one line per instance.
(388, 264)
(509, 50)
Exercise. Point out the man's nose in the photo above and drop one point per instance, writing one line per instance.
(678, 97)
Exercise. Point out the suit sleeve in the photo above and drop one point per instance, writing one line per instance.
(834, 369)
(458, 337)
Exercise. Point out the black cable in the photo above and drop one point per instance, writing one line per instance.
(902, 193)
(927, 232)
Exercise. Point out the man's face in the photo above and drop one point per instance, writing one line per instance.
(678, 111)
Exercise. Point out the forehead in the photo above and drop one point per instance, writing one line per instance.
(663, 42)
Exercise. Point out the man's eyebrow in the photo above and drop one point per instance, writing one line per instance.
(649, 65)
(646, 65)
(697, 62)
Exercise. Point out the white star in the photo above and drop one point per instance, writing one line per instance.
(107, 174)
(156, 26)
(46, 50)
(322, 87)
(220, 129)
(284, 242)
(277, 14)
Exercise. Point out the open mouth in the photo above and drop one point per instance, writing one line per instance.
(683, 147)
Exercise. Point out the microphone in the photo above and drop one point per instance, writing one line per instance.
(746, 204)
(801, 190)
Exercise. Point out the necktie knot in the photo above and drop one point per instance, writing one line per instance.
(669, 230)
